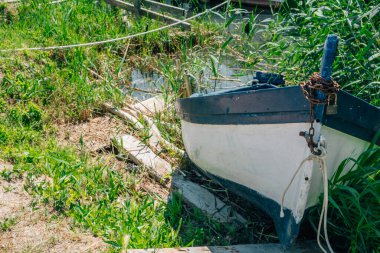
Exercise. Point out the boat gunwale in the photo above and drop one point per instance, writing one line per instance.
(355, 116)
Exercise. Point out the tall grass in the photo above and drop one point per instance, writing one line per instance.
(292, 43)
(354, 204)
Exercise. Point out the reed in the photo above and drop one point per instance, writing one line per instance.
(354, 204)
(292, 42)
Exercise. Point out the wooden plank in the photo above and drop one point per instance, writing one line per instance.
(154, 139)
(140, 154)
(156, 135)
(162, 7)
(243, 248)
(122, 114)
(150, 106)
(192, 193)
(149, 13)
(201, 198)
(264, 3)
(9, 1)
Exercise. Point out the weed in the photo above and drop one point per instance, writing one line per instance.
(7, 224)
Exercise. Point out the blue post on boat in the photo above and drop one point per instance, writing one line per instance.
(329, 53)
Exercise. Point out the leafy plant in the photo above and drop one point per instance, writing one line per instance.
(7, 224)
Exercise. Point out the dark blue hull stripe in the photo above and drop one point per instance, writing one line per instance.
(287, 229)
(276, 106)
(247, 118)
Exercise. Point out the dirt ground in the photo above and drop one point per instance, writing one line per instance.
(95, 136)
(24, 228)
(28, 228)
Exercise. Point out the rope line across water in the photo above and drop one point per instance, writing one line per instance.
(88, 44)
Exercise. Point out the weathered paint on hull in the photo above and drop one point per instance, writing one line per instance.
(258, 162)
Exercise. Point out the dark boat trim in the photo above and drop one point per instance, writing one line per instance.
(243, 101)
(248, 118)
(287, 229)
(268, 105)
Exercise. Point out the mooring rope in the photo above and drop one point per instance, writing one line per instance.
(19, 1)
(88, 44)
(323, 217)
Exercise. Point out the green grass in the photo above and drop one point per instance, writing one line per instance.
(292, 43)
(7, 224)
(99, 198)
(39, 90)
(354, 204)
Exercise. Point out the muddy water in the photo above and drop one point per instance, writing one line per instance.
(145, 85)
(148, 84)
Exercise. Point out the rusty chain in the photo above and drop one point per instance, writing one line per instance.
(309, 88)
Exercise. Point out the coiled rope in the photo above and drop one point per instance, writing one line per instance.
(88, 44)
(323, 217)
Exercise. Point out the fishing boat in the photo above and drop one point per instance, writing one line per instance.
(255, 140)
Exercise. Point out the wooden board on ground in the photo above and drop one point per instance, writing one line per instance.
(210, 204)
(192, 193)
(140, 154)
(150, 106)
(124, 115)
(149, 13)
(244, 248)
(9, 1)
(162, 7)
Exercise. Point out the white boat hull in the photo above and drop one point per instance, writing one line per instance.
(264, 157)
(249, 139)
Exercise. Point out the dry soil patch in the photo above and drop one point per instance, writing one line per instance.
(37, 230)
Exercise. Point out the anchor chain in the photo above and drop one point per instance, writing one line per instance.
(309, 88)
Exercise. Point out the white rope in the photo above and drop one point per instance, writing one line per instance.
(18, 1)
(323, 217)
(115, 39)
